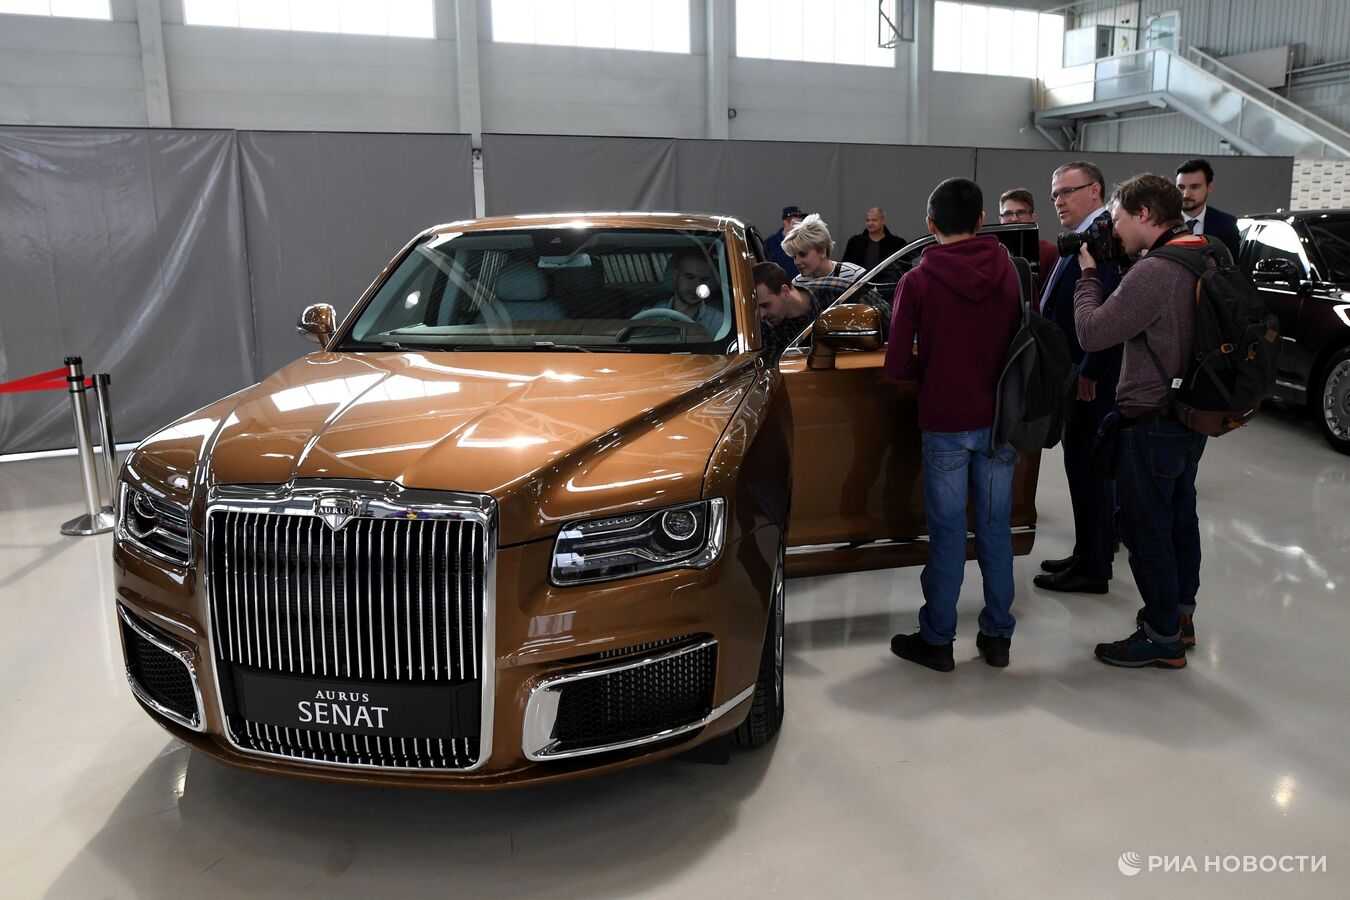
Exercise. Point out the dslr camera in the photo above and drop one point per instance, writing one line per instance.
(1101, 240)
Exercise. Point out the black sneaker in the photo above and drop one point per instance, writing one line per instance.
(1187, 628)
(1137, 651)
(994, 649)
(914, 648)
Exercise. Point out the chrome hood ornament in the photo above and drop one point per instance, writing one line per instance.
(336, 511)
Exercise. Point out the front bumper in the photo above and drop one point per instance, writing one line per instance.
(546, 638)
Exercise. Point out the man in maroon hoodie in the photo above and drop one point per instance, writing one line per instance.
(962, 304)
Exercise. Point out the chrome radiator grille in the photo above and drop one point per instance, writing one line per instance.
(388, 600)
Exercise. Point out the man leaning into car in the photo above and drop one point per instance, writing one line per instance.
(963, 303)
(785, 309)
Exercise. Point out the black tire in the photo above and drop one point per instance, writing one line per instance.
(1331, 403)
(766, 707)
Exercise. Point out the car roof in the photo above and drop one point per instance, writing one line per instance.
(627, 219)
(1302, 215)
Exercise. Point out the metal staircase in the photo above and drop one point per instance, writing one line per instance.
(1253, 119)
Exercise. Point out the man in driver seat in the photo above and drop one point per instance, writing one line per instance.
(695, 284)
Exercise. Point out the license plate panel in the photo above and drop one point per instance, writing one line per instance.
(362, 708)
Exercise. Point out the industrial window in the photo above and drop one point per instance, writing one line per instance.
(657, 25)
(69, 9)
(394, 18)
(995, 40)
(823, 31)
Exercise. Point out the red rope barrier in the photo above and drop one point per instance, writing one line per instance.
(55, 380)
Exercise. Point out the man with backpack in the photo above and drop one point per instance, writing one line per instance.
(962, 303)
(1154, 312)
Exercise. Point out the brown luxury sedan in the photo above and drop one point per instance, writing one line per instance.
(524, 516)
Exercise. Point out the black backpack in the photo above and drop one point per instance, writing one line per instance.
(1037, 385)
(1232, 365)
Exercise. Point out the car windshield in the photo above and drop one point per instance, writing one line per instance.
(1332, 237)
(582, 289)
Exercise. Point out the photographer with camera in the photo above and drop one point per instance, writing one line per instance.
(1078, 190)
(1156, 456)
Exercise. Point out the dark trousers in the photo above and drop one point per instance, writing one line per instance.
(1155, 476)
(1090, 491)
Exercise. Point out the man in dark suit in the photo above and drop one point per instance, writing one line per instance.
(874, 243)
(1078, 190)
(773, 245)
(1195, 177)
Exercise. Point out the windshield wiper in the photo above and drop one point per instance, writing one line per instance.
(578, 348)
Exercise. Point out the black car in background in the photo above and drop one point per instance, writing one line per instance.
(1300, 262)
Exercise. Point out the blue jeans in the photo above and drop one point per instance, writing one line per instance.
(1155, 477)
(957, 471)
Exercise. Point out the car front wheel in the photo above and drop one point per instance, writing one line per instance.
(766, 708)
(1333, 412)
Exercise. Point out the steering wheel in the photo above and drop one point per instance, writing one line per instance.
(661, 312)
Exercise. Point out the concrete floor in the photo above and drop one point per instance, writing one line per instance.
(887, 780)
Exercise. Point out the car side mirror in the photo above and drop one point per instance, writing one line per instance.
(318, 323)
(1275, 270)
(852, 326)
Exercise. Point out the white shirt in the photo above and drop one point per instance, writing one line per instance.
(1199, 227)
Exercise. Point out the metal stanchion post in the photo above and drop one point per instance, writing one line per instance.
(101, 383)
(95, 521)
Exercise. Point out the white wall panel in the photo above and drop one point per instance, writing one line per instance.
(529, 89)
(70, 72)
(982, 111)
(245, 78)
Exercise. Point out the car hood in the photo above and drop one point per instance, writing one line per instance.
(551, 436)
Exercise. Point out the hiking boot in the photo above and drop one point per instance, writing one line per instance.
(1137, 651)
(1187, 628)
(994, 649)
(914, 648)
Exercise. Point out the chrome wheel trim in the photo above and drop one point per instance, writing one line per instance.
(779, 616)
(1336, 400)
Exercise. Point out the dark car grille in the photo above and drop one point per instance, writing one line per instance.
(380, 601)
(161, 675)
(637, 702)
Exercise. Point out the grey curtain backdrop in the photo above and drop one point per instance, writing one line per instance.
(325, 212)
(178, 261)
(752, 180)
(126, 248)
(1242, 184)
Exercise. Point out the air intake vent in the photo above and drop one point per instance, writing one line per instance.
(637, 702)
(159, 675)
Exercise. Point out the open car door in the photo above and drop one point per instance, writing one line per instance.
(857, 479)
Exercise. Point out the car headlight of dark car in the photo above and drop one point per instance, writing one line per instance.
(154, 524)
(689, 536)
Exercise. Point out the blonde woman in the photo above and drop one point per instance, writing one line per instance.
(810, 246)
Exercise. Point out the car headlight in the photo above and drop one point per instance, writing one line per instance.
(677, 537)
(154, 524)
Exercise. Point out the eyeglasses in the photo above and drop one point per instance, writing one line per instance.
(1016, 214)
(1064, 192)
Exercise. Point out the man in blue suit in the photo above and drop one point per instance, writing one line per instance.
(1196, 180)
(1079, 190)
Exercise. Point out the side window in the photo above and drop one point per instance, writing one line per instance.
(1278, 240)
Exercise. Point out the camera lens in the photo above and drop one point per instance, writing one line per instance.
(1069, 242)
